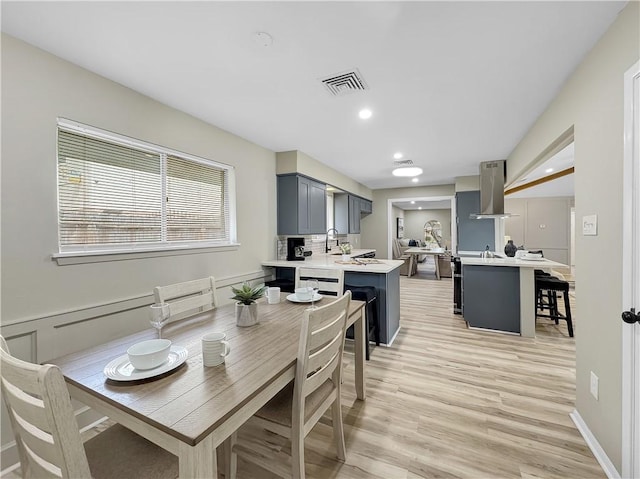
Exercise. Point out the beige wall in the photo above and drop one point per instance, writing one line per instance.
(374, 228)
(592, 101)
(36, 89)
(541, 224)
(468, 183)
(299, 162)
(414, 221)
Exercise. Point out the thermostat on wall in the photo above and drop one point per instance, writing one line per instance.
(590, 225)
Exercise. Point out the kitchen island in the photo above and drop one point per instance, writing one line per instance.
(383, 274)
(499, 293)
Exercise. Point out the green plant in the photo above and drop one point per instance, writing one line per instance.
(345, 248)
(248, 294)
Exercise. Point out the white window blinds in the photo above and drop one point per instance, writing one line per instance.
(115, 193)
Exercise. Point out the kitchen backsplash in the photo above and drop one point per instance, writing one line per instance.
(314, 243)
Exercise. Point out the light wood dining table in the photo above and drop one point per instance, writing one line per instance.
(191, 410)
(417, 251)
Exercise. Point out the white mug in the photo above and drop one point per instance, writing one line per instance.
(273, 295)
(214, 349)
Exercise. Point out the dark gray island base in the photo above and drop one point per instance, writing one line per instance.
(388, 301)
(491, 297)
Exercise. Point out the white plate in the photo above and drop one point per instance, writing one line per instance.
(294, 299)
(121, 369)
(531, 259)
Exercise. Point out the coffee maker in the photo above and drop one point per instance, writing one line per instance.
(295, 249)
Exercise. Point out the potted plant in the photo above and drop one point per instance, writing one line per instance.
(246, 306)
(346, 251)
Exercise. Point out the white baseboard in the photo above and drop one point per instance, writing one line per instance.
(388, 345)
(602, 458)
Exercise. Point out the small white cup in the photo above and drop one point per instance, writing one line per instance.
(304, 294)
(214, 349)
(273, 295)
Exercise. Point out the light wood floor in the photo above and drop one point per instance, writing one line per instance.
(447, 402)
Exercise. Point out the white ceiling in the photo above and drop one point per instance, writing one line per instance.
(451, 84)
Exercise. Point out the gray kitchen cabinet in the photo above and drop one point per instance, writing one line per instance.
(473, 234)
(348, 209)
(354, 214)
(302, 205)
(366, 207)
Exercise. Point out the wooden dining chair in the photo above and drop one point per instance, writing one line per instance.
(331, 281)
(47, 435)
(295, 410)
(187, 298)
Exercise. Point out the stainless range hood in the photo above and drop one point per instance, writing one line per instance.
(492, 176)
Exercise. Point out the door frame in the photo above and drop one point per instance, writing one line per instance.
(391, 227)
(631, 275)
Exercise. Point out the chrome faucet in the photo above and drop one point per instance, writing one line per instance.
(326, 241)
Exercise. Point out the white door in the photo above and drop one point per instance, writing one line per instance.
(631, 278)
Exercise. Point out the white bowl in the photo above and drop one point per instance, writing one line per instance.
(149, 354)
(533, 255)
(304, 294)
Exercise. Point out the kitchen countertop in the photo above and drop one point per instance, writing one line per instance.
(332, 261)
(513, 262)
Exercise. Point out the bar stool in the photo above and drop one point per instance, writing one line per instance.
(369, 294)
(552, 286)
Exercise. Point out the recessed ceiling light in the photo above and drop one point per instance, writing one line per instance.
(407, 171)
(419, 207)
(415, 180)
(548, 170)
(365, 114)
(413, 202)
(397, 156)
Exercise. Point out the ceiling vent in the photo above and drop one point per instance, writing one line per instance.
(345, 82)
(403, 163)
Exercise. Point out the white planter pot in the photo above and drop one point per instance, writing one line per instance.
(346, 257)
(246, 314)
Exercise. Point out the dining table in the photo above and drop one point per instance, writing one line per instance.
(418, 251)
(192, 409)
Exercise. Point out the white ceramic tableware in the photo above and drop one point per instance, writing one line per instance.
(304, 294)
(273, 295)
(149, 354)
(214, 349)
(533, 255)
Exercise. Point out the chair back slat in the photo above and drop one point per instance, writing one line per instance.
(323, 357)
(26, 405)
(326, 354)
(318, 378)
(41, 415)
(329, 280)
(325, 333)
(189, 297)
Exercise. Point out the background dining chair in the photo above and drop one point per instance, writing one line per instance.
(187, 298)
(398, 254)
(295, 410)
(331, 281)
(47, 435)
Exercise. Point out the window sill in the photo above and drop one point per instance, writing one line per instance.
(65, 259)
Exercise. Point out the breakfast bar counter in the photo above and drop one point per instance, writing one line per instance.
(383, 274)
(499, 293)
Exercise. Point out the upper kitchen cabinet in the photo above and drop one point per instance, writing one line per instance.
(302, 205)
(348, 209)
(473, 234)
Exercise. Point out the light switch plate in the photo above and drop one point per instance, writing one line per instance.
(590, 225)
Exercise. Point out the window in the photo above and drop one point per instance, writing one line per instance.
(117, 194)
